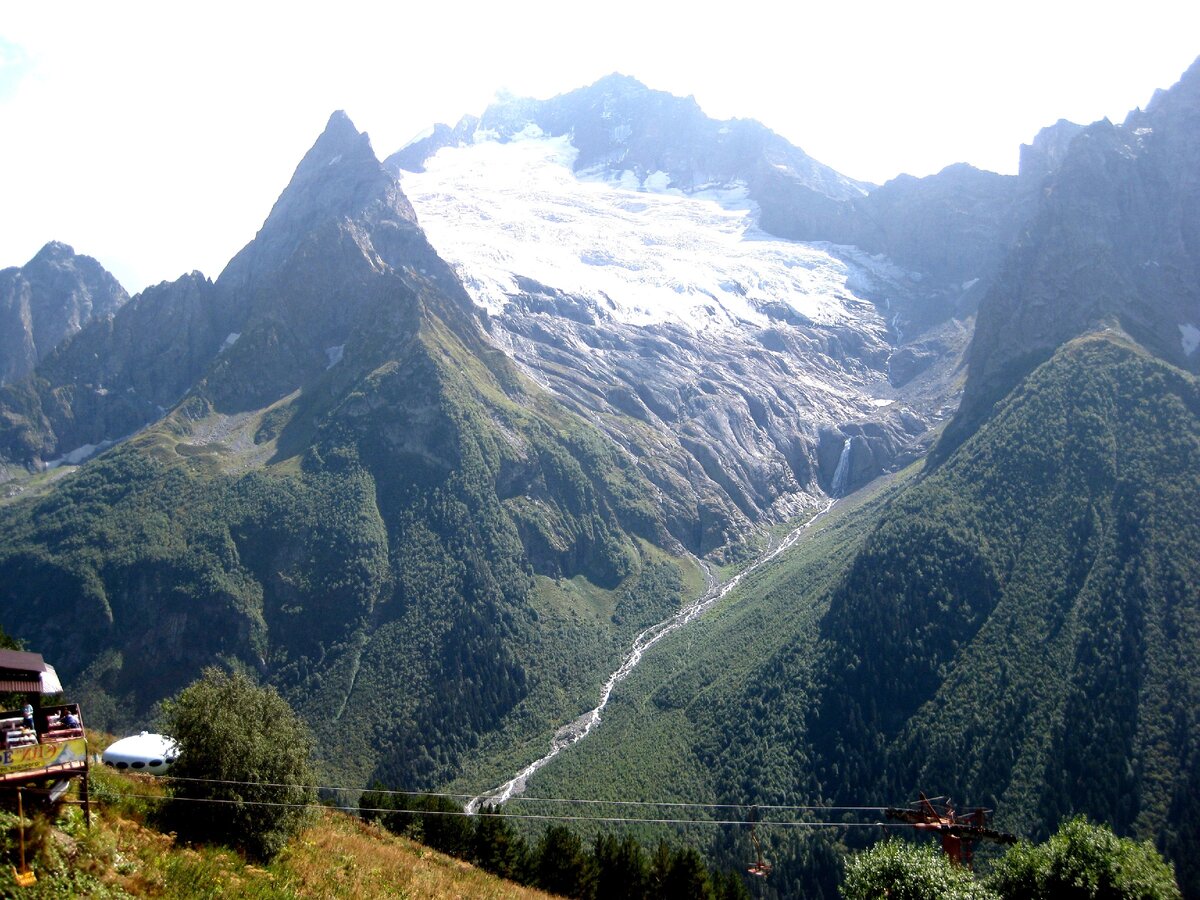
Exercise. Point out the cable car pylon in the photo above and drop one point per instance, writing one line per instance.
(959, 833)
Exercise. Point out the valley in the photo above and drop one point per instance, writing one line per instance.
(574, 732)
(597, 409)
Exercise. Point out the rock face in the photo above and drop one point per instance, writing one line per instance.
(1115, 243)
(572, 220)
(1045, 154)
(46, 301)
(117, 375)
(296, 291)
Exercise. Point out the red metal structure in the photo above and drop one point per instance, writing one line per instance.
(959, 833)
(760, 866)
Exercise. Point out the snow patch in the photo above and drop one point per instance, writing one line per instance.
(335, 355)
(1189, 336)
(78, 455)
(658, 182)
(230, 340)
(530, 132)
(336, 159)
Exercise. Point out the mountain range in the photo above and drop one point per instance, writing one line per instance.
(455, 426)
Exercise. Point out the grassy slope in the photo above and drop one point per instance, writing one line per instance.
(335, 856)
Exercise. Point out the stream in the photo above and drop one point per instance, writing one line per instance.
(574, 732)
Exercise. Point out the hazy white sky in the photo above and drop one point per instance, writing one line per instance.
(156, 136)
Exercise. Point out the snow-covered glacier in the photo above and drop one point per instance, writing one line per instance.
(645, 252)
(735, 367)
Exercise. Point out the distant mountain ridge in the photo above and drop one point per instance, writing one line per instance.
(618, 124)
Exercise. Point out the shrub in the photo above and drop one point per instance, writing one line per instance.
(1085, 861)
(899, 870)
(249, 755)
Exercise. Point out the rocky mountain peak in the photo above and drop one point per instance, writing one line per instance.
(617, 83)
(338, 180)
(1115, 243)
(46, 301)
(53, 251)
(1045, 153)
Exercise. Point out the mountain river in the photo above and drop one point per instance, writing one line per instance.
(573, 732)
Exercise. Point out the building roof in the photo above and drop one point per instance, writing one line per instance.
(26, 673)
(20, 661)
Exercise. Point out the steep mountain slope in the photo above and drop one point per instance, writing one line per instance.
(614, 235)
(358, 498)
(1116, 240)
(46, 301)
(1018, 626)
(1039, 599)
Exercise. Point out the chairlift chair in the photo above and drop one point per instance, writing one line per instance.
(760, 867)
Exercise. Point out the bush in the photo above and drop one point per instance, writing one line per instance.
(249, 754)
(899, 870)
(1085, 861)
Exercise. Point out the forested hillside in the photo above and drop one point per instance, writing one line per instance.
(357, 501)
(1018, 628)
(1022, 627)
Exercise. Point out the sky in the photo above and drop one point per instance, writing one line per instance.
(156, 136)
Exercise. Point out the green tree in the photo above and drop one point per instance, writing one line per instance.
(444, 826)
(899, 870)
(248, 754)
(561, 865)
(1083, 860)
(499, 849)
(688, 878)
(8, 642)
(621, 868)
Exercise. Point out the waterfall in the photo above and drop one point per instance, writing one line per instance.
(841, 475)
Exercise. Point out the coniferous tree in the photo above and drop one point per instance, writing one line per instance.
(621, 869)
(562, 865)
(687, 877)
(499, 849)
